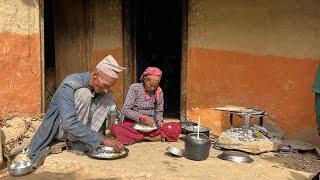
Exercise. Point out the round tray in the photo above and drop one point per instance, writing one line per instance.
(235, 156)
(105, 153)
(144, 128)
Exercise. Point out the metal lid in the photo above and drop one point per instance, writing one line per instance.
(175, 151)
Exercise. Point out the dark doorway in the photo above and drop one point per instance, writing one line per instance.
(49, 53)
(66, 41)
(157, 26)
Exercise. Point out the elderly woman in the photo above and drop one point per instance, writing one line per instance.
(144, 104)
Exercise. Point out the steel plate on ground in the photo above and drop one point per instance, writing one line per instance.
(144, 128)
(108, 153)
(235, 156)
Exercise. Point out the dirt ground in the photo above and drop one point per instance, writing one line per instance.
(148, 160)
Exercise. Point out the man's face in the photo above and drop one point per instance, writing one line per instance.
(102, 82)
(151, 84)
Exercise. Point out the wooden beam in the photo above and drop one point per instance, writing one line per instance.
(42, 60)
(128, 44)
(184, 60)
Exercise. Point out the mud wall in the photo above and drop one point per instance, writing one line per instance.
(256, 54)
(20, 67)
(107, 37)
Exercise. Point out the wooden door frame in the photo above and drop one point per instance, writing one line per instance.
(42, 60)
(184, 60)
(86, 42)
(129, 49)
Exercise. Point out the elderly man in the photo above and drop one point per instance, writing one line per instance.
(77, 112)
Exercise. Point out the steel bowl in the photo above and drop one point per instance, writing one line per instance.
(20, 168)
(175, 151)
(235, 156)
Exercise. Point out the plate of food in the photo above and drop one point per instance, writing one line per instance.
(106, 152)
(144, 128)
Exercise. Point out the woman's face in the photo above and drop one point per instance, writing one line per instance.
(151, 84)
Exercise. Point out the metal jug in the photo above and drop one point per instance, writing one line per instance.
(113, 117)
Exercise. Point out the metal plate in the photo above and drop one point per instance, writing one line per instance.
(254, 111)
(235, 156)
(108, 153)
(144, 128)
(175, 151)
(239, 109)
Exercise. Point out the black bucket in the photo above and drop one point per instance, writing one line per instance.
(197, 149)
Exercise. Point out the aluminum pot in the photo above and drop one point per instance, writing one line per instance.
(197, 148)
(194, 129)
(185, 124)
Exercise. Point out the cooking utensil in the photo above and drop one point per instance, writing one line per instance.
(175, 151)
(235, 156)
(108, 153)
(197, 148)
(20, 168)
(144, 128)
(114, 117)
(193, 129)
(185, 124)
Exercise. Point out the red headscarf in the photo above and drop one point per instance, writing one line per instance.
(151, 72)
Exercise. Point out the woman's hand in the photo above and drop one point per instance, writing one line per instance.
(147, 119)
(113, 143)
(159, 123)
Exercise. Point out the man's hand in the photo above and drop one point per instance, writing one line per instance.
(147, 119)
(113, 143)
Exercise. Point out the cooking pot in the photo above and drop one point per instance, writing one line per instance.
(185, 124)
(194, 129)
(197, 148)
